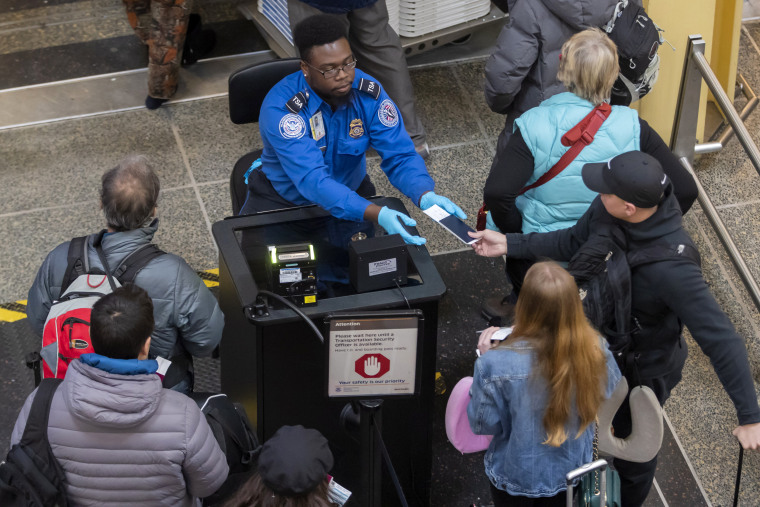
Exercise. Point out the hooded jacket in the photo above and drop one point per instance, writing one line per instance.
(123, 439)
(187, 315)
(522, 70)
(664, 295)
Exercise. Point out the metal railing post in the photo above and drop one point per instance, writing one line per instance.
(683, 144)
(720, 229)
(728, 109)
(684, 136)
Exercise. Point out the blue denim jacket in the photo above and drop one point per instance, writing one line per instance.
(508, 402)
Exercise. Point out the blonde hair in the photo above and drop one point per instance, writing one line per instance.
(589, 65)
(569, 356)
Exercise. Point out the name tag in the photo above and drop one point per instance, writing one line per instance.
(317, 126)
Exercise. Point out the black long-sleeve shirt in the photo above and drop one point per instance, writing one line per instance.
(662, 293)
(517, 165)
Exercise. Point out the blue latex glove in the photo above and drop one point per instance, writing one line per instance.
(389, 219)
(432, 198)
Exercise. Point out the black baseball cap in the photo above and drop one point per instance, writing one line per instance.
(294, 460)
(635, 177)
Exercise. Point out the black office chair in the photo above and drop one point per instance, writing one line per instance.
(247, 89)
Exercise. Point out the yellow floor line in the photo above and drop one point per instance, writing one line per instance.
(13, 316)
(10, 315)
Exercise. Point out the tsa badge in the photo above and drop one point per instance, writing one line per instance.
(387, 113)
(292, 126)
(356, 128)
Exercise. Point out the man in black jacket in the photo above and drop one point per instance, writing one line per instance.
(637, 196)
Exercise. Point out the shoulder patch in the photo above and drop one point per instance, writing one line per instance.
(298, 101)
(369, 87)
(292, 126)
(387, 113)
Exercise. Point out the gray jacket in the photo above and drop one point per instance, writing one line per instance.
(123, 439)
(522, 71)
(187, 314)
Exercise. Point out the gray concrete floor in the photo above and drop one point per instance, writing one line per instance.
(50, 175)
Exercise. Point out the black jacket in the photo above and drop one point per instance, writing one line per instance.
(664, 294)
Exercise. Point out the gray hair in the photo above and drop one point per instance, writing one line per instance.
(129, 193)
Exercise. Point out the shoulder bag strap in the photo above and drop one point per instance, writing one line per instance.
(76, 261)
(35, 431)
(127, 270)
(577, 138)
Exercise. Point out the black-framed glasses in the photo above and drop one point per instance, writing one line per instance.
(330, 74)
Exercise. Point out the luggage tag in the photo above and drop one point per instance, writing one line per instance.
(317, 126)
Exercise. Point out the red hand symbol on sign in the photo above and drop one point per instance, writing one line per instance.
(372, 365)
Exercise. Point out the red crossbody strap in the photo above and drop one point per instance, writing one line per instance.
(577, 138)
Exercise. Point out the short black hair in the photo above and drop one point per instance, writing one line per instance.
(120, 322)
(317, 31)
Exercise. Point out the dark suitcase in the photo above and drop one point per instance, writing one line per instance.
(598, 497)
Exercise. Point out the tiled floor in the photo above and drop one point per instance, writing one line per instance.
(50, 175)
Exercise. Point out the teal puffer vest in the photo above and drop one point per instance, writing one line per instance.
(559, 203)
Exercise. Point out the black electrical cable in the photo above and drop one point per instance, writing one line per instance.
(299, 312)
(402, 293)
(389, 464)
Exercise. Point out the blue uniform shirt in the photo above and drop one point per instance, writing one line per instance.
(307, 164)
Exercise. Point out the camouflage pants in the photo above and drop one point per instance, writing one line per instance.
(162, 26)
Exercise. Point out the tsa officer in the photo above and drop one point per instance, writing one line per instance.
(316, 125)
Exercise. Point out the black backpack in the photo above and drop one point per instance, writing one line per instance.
(637, 38)
(30, 476)
(232, 431)
(602, 269)
(78, 262)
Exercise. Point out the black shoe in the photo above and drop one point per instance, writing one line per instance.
(198, 42)
(154, 103)
(499, 311)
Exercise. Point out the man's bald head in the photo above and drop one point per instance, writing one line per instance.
(129, 193)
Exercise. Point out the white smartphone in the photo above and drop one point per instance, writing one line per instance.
(451, 223)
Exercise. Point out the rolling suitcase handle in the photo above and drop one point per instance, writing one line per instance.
(571, 476)
(738, 475)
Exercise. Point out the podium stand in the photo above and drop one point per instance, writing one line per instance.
(273, 363)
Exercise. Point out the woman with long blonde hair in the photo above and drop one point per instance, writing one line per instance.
(538, 391)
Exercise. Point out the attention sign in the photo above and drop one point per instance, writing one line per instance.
(372, 356)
